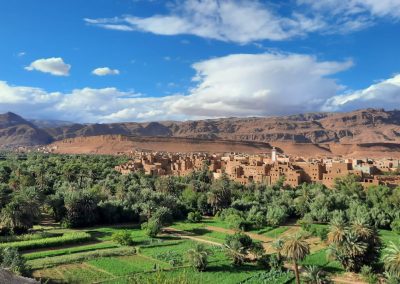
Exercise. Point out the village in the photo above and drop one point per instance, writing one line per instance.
(267, 168)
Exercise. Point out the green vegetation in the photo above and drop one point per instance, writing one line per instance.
(74, 198)
(59, 252)
(66, 239)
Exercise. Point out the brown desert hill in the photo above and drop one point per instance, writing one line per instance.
(362, 126)
(16, 131)
(112, 144)
(319, 133)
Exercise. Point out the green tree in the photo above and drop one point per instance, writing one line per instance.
(152, 227)
(354, 245)
(198, 257)
(391, 259)
(314, 275)
(123, 238)
(11, 259)
(296, 249)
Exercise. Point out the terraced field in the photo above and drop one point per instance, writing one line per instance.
(90, 255)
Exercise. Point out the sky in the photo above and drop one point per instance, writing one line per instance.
(102, 61)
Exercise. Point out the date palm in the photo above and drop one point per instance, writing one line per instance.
(296, 249)
(391, 259)
(314, 275)
(338, 230)
(198, 257)
(277, 245)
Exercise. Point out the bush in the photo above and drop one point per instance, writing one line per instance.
(194, 217)
(11, 259)
(368, 275)
(172, 257)
(124, 238)
(152, 227)
(396, 225)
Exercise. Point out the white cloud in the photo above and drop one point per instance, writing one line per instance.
(234, 85)
(260, 84)
(103, 71)
(382, 8)
(21, 54)
(229, 20)
(54, 65)
(384, 94)
(246, 21)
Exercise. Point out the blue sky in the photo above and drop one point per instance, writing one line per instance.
(133, 60)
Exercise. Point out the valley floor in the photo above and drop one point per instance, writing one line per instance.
(97, 259)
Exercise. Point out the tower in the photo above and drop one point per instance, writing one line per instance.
(273, 155)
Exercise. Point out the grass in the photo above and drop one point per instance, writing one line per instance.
(71, 273)
(68, 238)
(120, 266)
(78, 257)
(222, 273)
(28, 237)
(199, 231)
(276, 232)
(389, 236)
(59, 252)
(319, 258)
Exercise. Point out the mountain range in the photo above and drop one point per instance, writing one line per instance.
(361, 126)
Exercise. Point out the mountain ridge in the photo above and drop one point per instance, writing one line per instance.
(360, 126)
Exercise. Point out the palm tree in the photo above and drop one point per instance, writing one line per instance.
(198, 257)
(361, 228)
(391, 259)
(278, 245)
(337, 230)
(315, 275)
(236, 251)
(296, 249)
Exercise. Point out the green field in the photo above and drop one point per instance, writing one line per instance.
(98, 259)
(146, 260)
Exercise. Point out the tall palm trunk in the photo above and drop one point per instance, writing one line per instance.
(296, 272)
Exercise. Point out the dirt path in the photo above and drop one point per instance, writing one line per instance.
(348, 278)
(186, 235)
(231, 232)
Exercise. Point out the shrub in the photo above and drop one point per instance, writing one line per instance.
(198, 257)
(396, 225)
(152, 227)
(124, 238)
(368, 275)
(172, 257)
(11, 259)
(194, 217)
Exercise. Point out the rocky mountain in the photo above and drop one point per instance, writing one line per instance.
(361, 126)
(16, 131)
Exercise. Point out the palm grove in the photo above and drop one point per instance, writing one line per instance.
(82, 190)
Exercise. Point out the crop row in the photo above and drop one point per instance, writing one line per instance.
(69, 238)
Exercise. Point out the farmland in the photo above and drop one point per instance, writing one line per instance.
(73, 219)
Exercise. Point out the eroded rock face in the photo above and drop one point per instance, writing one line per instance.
(16, 131)
(362, 126)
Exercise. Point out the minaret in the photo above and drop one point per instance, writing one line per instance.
(273, 155)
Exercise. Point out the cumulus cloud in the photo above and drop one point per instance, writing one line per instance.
(384, 94)
(245, 21)
(103, 71)
(234, 85)
(54, 65)
(260, 84)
